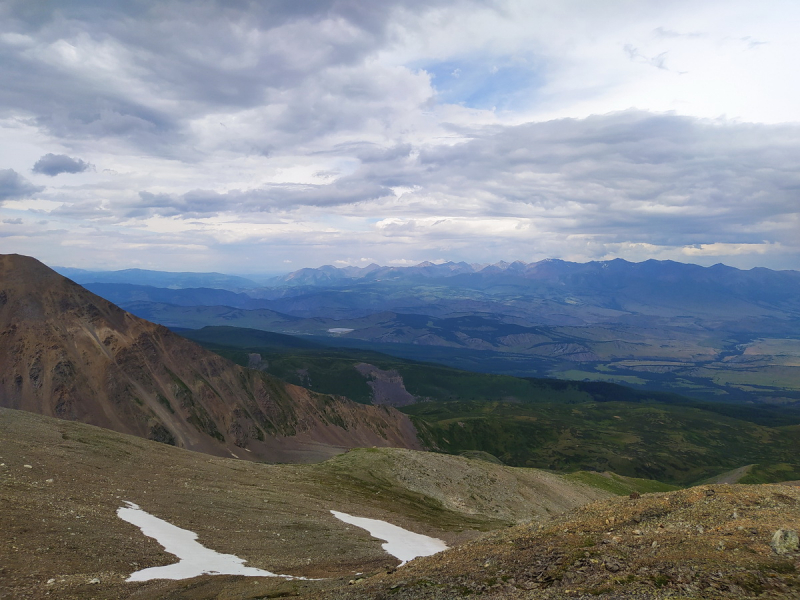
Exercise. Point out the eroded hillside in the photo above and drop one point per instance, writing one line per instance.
(68, 353)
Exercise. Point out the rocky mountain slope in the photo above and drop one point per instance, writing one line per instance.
(70, 354)
(62, 482)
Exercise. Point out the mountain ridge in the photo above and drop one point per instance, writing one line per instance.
(71, 354)
(330, 273)
(538, 269)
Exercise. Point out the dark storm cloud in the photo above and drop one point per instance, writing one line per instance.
(188, 206)
(370, 153)
(13, 185)
(54, 164)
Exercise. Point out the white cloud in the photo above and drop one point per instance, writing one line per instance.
(476, 130)
(720, 249)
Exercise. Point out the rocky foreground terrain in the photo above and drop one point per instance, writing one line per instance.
(61, 484)
(513, 533)
(718, 541)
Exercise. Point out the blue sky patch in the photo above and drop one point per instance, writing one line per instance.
(484, 84)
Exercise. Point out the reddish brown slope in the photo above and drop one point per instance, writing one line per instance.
(67, 353)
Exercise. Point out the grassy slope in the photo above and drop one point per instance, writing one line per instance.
(675, 444)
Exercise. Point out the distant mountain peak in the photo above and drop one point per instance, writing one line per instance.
(545, 268)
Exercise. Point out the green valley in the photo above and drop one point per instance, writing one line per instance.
(564, 426)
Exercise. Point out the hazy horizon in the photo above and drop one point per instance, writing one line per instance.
(278, 273)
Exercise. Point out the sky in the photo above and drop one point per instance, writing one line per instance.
(266, 136)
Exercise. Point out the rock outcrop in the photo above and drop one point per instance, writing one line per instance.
(785, 541)
(387, 386)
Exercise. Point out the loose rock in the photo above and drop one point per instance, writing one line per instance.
(785, 541)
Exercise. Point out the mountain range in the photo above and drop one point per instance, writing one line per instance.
(158, 278)
(709, 332)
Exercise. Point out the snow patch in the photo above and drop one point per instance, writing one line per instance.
(400, 543)
(195, 559)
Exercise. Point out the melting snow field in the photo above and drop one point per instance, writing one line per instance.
(401, 543)
(196, 559)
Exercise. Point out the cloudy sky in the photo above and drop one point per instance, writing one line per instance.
(265, 136)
